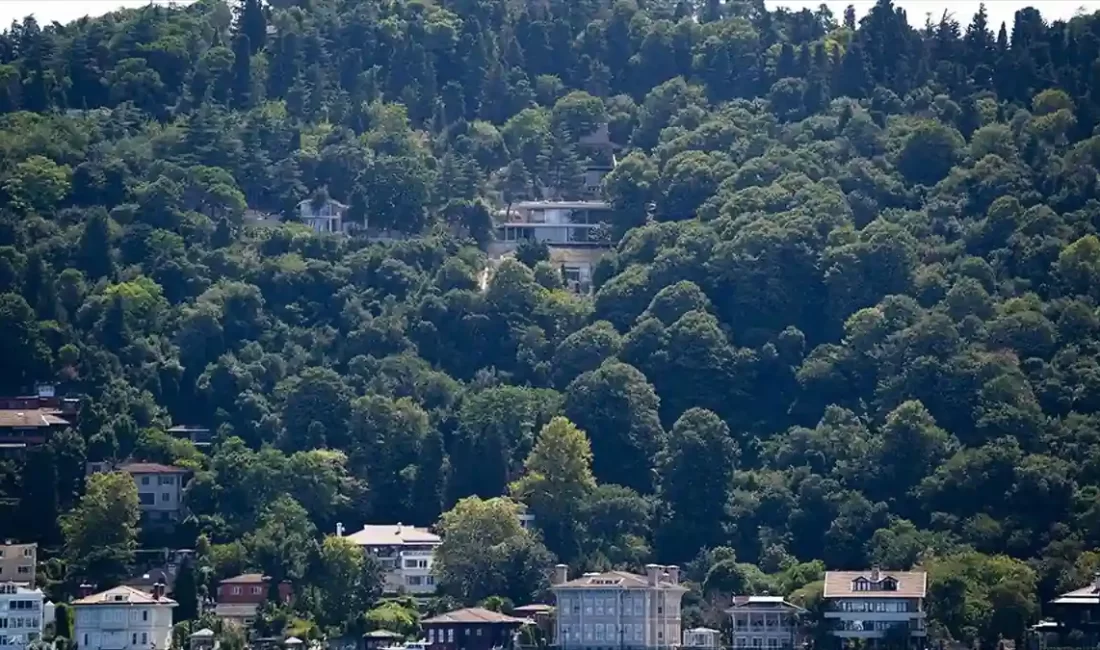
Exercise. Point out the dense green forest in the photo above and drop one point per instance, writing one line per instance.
(852, 318)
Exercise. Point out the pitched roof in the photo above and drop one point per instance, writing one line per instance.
(246, 579)
(383, 634)
(473, 615)
(750, 602)
(29, 419)
(150, 468)
(910, 584)
(124, 596)
(392, 535)
(1087, 595)
(613, 580)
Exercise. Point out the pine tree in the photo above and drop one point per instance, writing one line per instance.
(242, 72)
(252, 23)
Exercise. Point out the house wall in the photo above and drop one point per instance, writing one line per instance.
(408, 569)
(131, 627)
(468, 636)
(874, 618)
(764, 627)
(159, 493)
(621, 617)
(22, 616)
(18, 562)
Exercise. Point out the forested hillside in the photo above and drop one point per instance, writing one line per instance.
(852, 319)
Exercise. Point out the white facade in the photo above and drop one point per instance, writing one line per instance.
(328, 218)
(556, 223)
(764, 622)
(876, 604)
(22, 616)
(620, 609)
(160, 488)
(123, 618)
(406, 553)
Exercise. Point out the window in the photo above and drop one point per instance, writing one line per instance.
(1, 553)
(450, 635)
(145, 480)
(773, 643)
(413, 581)
(429, 580)
(146, 498)
(28, 552)
(144, 638)
(587, 631)
(479, 631)
(85, 640)
(23, 569)
(167, 480)
(145, 615)
(637, 631)
(467, 631)
(3, 623)
(756, 643)
(134, 642)
(165, 497)
(742, 642)
(599, 632)
(236, 590)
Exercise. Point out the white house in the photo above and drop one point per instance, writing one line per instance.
(22, 615)
(407, 555)
(768, 622)
(876, 604)
(327, 217)
(124, 618)
(618, 609)
(160, 488)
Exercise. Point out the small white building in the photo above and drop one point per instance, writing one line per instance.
(22, 615)
(124, 618)
(702, 637)
(326, 217)
(406, 553)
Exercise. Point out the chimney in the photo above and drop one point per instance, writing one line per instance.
(339, 529)
(398, 528)
(561, 574)
(673, 574)
(1096, 581)
(874, 573)
(86, 589)
(158, 590)
(653, 573)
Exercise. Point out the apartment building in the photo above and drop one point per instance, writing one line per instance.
(617, 609)
(123, 618)
(875, 605)
(764, 622)
(22, 615)
(406, 553)
(18, 563)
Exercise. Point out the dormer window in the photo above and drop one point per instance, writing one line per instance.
(861, 584)
(889, 584)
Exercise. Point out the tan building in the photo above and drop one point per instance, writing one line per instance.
(406, 553)
(764, 622)
(18, 563)
(876, 604)
(618, 609)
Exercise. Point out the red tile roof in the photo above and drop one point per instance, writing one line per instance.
(473, 615)
(246, 579)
